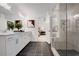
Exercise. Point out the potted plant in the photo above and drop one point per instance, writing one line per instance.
(18, 25)
(10, 25)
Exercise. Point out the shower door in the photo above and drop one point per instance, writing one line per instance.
(59, 29)
(65, 37)
(72, 29)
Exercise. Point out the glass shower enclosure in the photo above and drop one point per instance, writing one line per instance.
(65, 29)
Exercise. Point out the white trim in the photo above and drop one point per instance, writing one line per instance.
(54, 51)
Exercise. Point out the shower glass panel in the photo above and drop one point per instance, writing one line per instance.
(72, 29)
(60, 42)
(67, 43)
(65, 29)
(59, 29)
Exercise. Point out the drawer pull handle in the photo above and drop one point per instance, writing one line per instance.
(17, 41)
(11, 38)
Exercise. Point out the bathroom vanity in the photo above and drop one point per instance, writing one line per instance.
(12, 43)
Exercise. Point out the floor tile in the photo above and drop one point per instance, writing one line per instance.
(36, 49)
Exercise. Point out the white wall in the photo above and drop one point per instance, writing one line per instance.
(3, 23)
(25, 12)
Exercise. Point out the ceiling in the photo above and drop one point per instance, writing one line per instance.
(36, 10)
(26, 10)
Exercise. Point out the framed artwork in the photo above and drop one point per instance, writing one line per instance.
(31, 23)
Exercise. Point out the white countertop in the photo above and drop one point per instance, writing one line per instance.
(6, 33)
(11, 33)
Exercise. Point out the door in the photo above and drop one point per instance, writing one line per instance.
(11, 46)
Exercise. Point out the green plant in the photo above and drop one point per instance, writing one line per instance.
(10, 25)
(18, 25)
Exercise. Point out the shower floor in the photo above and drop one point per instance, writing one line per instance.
(68, 52)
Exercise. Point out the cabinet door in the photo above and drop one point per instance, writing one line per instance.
(11, 46)
(19, 43)
(2, 46)
(26, 39)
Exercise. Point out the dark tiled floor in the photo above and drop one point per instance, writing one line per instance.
(68, 52)
(36, 49)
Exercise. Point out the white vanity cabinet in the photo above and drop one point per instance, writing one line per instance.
(12, 44)
(7, 45)
(22, 39)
